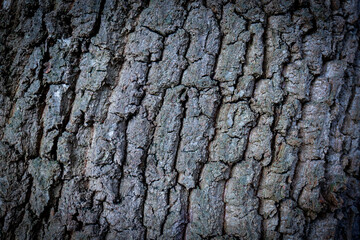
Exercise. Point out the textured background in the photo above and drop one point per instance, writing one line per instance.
(179, 119)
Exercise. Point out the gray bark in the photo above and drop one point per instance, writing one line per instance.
(179, 119)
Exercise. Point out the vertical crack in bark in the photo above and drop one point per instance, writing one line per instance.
(177, 156)
(97, 24)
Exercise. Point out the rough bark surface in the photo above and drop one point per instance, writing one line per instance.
(171, 119)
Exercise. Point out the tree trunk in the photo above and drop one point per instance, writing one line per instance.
(179, 119)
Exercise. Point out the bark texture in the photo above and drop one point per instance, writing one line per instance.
(171, 119)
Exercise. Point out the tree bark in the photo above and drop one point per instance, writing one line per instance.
(174, 119)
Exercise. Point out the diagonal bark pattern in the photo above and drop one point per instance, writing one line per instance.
(177, 119)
